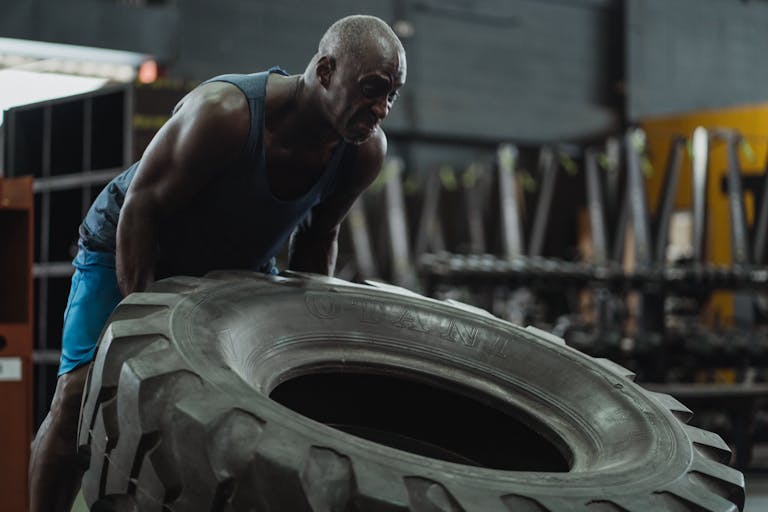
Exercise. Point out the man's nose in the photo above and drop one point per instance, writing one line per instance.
(381, 108)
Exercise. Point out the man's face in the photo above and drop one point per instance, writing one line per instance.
(362, 93)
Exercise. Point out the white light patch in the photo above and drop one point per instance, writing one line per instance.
(24, 87)
(10, 369)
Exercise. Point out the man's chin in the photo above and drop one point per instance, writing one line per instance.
(358, 138)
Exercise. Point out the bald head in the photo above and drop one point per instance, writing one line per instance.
(356, 37)
(354, 78)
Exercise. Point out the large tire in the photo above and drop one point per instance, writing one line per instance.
(177, 413)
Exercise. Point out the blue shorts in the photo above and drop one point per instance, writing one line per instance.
(92, 298)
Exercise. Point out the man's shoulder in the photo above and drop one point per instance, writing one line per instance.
(219, 97)
(215, 106)
(369, 159)
(371, 153)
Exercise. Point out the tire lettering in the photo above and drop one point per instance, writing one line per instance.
(370, 312)
(498, 348)
(459, 332)
(411, 320)
(322, 306)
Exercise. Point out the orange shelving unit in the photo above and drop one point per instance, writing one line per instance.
(16, 318)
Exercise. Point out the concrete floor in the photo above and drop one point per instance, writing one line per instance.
(79, 505)
(757, 494)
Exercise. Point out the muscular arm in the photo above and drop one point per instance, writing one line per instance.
(207, 131)
(314, 244)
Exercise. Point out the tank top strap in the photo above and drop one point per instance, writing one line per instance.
(254, 87)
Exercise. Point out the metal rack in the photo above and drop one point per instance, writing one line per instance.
(72, 147)
(659, 334)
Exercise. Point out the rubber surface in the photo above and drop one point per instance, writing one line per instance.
(177, 414)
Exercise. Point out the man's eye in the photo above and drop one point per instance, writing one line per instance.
(369, 90)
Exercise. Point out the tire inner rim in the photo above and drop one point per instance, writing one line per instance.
(423, 419)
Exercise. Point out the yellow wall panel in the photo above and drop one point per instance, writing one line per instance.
(752, 122)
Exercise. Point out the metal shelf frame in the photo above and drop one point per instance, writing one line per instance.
(100, 132)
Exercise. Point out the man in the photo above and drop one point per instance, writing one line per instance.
(244, 162)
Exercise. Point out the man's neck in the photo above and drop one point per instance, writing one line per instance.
(294, 118)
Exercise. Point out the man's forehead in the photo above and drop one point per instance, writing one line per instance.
(393, 79)
(390, 67)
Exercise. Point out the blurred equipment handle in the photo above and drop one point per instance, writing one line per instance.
(511, 227)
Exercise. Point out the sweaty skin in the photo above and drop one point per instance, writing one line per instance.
(339, 97)
(307, 116)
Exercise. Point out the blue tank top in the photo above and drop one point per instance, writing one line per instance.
(235, 222)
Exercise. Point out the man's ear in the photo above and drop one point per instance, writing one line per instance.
(324, 69)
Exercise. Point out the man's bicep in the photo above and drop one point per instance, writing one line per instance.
(159, 174)
(326, 217)
(189, 149)
(169, 172)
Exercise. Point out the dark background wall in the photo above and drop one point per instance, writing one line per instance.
(693, 54)
(520, 70)
(525, 70)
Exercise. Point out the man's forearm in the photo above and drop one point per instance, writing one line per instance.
(135, 254)
(316, 255)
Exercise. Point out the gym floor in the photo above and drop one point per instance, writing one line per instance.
(757, 494)
(757, 481)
